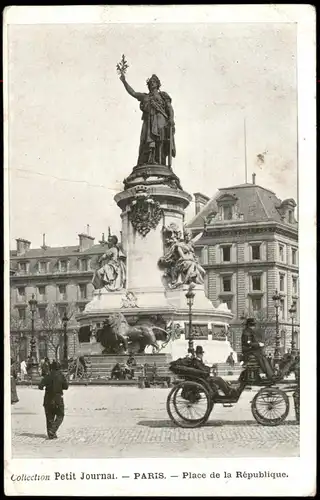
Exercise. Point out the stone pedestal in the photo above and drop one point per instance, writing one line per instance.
(153, 199)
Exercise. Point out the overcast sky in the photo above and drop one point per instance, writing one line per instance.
(74, 131)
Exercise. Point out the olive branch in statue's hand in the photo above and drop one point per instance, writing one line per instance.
(122, 67)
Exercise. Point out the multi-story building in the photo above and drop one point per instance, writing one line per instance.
(248, 244)
(59, 278)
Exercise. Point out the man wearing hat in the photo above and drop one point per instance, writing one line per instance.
(55, 383)
(252, 346)
(226, 388)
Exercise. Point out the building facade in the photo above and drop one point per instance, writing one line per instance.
(60, 280)
(248, 244)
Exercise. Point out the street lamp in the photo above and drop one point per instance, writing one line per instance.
(33, 352)
(277, 352)
(292, 312)
(190, 298)
(65, 320)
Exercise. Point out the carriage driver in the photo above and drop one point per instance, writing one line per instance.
(252, 346)
(224, 386)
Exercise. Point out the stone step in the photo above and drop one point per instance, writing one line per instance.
(103, 364)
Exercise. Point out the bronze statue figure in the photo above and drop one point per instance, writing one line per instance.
(180, 262)
(112, 273)
(157, 133)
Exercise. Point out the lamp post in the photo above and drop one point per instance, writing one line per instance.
(292, 312)
(277, 352)
(190, 298)
(33, 351)
(65, 320)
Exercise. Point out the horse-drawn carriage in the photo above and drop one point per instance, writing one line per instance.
(192, 399)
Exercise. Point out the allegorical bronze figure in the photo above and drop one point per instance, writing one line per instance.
(157, 145)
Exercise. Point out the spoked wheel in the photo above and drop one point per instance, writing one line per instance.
(189, 405)
(270, 406)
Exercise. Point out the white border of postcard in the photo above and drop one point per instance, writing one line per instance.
(299, 474)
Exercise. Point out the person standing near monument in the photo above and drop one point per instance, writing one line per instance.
(157, 133)
(14, 395)
(54, 383)
(23, 370)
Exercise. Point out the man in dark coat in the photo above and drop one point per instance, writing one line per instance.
(252, 346)
(55, 383)
(224, 386)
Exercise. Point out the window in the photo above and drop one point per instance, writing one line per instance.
(42, 267)
(41, 293)
(228, 302)
(21, 293)
(83, 291)
(22, 313)
(294, 256)
(255, 250)
(226, 254)
(42, 312)
(62, 310)
(62, 292)
(226, 284)
(256, 305)
(83, 265)
(256, 283)
(23, 267)
(290, 217)
(227, 212)
(281, 253)
(294, 285)
(281, 314)
(63, 266)
(281, 282)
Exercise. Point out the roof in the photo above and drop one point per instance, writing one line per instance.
(255, 203)
(51, 252)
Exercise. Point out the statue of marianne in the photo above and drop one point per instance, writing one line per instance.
(157, 133)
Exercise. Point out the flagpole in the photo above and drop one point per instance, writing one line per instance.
(245, 151)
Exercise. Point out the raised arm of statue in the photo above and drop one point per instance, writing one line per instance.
(137, 95)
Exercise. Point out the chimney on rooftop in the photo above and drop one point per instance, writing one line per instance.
(44, 246)
(253, 178)
(88, 230)
(22, 246)
(85, 242)
(102, 241)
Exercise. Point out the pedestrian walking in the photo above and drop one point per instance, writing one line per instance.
(23, 370)
(54, 383)
(14, 395)
(230, 360)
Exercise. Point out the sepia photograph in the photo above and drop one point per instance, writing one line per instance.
(155, 196)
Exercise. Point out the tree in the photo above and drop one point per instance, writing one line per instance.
(265, 327)
(18, 329)
(51, 326)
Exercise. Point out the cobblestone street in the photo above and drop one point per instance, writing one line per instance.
(111, 422)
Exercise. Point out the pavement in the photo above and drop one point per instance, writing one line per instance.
(128, 422)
